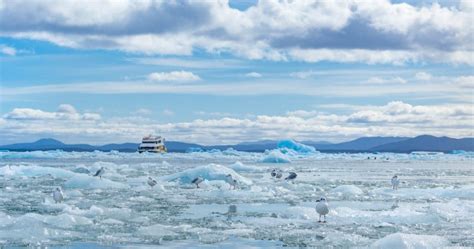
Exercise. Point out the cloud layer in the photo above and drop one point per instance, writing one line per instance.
(309, 31)
(393, 119)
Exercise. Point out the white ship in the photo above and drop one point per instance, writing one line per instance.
(155, 144)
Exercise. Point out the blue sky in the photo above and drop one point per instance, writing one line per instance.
(220, 72)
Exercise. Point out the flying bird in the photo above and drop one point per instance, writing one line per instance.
(152, 182)
(197, 180)
(395, 182)
(100, 172)
(322, 208)
(291, 176)
(58, 195)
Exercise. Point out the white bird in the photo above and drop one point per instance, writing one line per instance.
(279, 174)
(100, 172)
(322, 208)
(274, 172)
(231, 181)
(197, 180)
(58, 195)
(152, 182)
(395, 182)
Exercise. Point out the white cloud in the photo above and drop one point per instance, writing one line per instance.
(253, 75)
(379, 80)
(4, 49)
(393, 119)
(311, 31)
(64, 112)
(423, 76)
(180, 76)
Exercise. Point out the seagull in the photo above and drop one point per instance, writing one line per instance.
(279, 174)
(291, 176)
(274, 172)
(322, 208)
(58, 195)
(395, 182)
(197, 180)
(100, 172)
(152, 182)
(231, 181)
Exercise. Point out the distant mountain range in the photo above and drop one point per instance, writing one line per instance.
(363, 144)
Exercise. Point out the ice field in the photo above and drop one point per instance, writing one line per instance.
(433, 207)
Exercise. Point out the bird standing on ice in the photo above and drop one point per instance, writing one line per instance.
(58, 195)
(152, 182)
(395, 182)
(276, 173)
(322, 208)
(197, 180)
(291, 176)
(100, 172)
(231, 181)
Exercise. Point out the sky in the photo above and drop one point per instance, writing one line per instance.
(221, 72)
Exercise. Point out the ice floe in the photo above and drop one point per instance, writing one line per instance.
(409, 241)
(211, 172)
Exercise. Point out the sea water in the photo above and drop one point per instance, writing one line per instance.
(433, 207)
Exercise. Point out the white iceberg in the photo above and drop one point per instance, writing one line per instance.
(211, 172)
(295, 146)
(33, 170)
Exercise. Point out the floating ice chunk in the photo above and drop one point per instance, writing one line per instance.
(157, 231)
(347, 191)
(275, 156)
(82, 181)
(305, 213)
(240, 167)
(81, 170)
(34, 170)
(295, 146)
(209, 172)
(408, 241)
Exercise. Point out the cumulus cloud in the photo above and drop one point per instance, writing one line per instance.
(180, 76)
(393, 119)
(253, 75)
(64, 112)
(7, 50)
(277, 30)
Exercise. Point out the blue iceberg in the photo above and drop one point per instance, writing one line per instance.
(295, 146)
